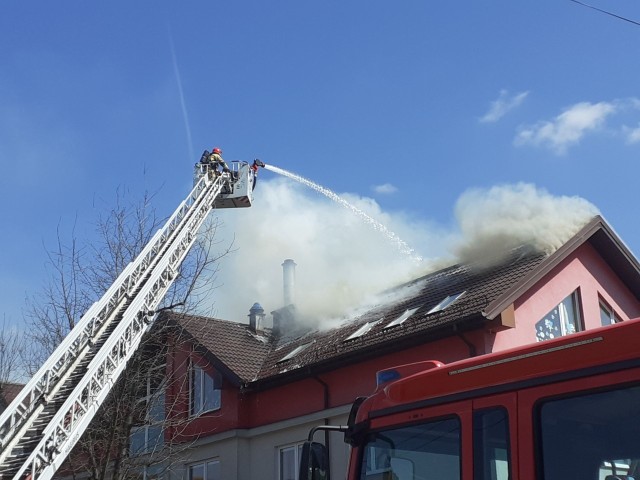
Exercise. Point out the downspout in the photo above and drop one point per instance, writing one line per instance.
(325, 395)
(473, 352)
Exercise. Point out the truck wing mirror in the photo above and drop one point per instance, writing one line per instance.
(314, 464)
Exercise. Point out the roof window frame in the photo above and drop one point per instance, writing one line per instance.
(363, 330)
(403, 318)
(446, 302)
(293, 353)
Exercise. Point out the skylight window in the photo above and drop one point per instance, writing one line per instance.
(445, 303)
(401, 319)
(294, 352)
(362, 330)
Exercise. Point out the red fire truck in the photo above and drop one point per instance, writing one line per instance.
(562, 409)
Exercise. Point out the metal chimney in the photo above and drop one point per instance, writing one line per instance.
(289, 280)
(256, 318)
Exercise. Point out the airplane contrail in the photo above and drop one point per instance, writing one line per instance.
(185, 116)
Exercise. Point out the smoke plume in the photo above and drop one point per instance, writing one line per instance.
(493, 221)
(342, 264)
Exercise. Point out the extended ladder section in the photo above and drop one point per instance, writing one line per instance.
(41, 426)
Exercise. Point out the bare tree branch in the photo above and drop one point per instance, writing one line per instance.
(79, 274)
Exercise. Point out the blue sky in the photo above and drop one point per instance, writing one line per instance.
(412, 110)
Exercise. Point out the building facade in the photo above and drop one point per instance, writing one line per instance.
(242, 398)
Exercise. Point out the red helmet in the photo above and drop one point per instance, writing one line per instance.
(217, 150)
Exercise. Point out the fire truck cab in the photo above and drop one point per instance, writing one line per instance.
(567, 408)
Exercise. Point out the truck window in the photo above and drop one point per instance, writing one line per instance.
(426, 450)
(491, 456)
(592, 435)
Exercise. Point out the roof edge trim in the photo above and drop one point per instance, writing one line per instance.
(596, 224)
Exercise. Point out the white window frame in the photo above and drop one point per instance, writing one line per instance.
(150, 423)
(446, 302)
(297, 455)
(363, 329)
(295, 352)
(567, 326)
(607, 312)
(204, 464)
(214, 390)
(402, 318)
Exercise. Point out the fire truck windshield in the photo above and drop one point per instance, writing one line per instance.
(426, 450)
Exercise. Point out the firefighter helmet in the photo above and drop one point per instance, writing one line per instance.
(216, 150)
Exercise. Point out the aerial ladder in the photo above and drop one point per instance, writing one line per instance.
(40, 427)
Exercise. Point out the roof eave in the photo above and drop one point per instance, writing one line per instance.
(376, 350)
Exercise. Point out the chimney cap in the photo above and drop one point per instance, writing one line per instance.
(256, 308)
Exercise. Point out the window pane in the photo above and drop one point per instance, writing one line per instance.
(429, 450)
(156, 407)
(196, 472)
(205, 391)
(491, 459)
(213, 400)
(213, 470)
(591, 436)
(562, 320)
(137, 440)
(569, 316)
(211, 391)
(605, 315)
(155, 437)
(288, 467)
(608, 316)
(196, 390)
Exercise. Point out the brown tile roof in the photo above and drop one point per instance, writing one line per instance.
(480, 287)
(260, 359)
(231, 343)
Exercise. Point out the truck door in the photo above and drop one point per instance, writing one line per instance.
(582, 428)
(425, 443)
(495, 437)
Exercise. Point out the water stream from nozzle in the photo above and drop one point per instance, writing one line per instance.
(377, 226)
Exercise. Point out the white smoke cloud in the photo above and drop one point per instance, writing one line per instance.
(494, 220)
(341, 260)
(343, 263)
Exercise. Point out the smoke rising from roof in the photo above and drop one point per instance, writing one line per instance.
(493, 221)
(342, 264)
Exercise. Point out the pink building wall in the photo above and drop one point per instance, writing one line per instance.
(584, 270)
